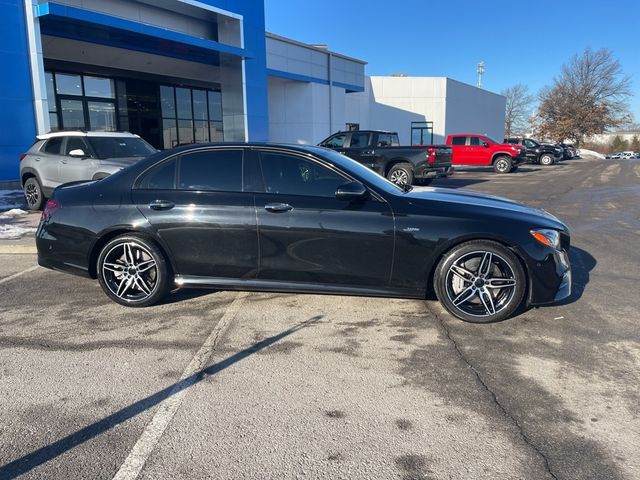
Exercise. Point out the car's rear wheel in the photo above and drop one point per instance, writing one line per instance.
(401, 174)
(503, 164)
(133, 271)
(33, 193)
(480, 281)
(546, 160)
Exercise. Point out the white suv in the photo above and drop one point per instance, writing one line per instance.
(69, 156)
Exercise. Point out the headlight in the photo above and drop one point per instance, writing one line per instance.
(548, 237)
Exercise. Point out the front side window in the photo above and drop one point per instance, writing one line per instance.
(292, 175)
(475, 141)
(215, 170)
(74, 143)
(530, 143)
(336, 141)
(458, 140)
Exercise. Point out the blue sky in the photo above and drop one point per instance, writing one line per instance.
(519, 41)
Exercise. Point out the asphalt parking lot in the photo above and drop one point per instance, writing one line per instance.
(250, 385)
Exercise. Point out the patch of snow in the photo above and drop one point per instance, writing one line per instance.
(14, 212)
(11, 199)
(590, 153)
(15, 232)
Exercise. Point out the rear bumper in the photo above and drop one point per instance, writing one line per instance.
(434, 172)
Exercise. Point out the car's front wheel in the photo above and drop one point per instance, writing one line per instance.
(480, 281)
(133, 271)
(546, 160)
(503, 164)
(33, 193)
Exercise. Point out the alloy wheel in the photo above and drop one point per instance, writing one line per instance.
(32, 194)
(502, 165)
(130, 271)
(399, 177)
(480, 283)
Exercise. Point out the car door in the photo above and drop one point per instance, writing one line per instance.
(308, 235)
(459, 150)
(476, 151)
(48, 162)
(197, 205)
(75, 168)
(360, 149)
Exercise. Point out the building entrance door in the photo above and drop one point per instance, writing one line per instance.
(143, 111)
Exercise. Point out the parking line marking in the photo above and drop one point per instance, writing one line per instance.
(16, 275)
(17, 249)
(151, 435)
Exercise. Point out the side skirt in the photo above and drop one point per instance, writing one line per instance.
(189, 281)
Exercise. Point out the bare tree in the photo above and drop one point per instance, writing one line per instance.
(518, 110)
(590, 96)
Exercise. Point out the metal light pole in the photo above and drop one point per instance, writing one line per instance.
(480, 73)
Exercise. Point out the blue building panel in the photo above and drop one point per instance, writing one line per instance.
(17, 115)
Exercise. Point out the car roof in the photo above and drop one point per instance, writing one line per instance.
(367, 131)
(80, 133)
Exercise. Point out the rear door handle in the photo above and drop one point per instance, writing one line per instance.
(161, 205)
(278, 207)
(368, 153)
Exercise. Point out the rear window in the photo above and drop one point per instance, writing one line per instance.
(458, 140)
(53, 146)
(120, 147)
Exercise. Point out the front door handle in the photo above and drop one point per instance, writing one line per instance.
(368, 153)
(161, 205)
(278, 207)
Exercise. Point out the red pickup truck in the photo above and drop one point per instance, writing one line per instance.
(479, 150)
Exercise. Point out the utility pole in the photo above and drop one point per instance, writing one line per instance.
(480, 73)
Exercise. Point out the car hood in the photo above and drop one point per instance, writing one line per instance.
(485, 202)
(119, 162)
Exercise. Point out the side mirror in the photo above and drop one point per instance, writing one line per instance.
(78, 152)
(485, 144)
(351, 191)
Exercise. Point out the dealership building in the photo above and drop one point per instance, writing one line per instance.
(187, 71)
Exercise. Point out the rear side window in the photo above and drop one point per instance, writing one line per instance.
(216, 170)
(458, 140)
(53, 145)
(163, 177)
(387, 140)
(359, 140)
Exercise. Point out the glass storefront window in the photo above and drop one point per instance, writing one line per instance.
(68, 84)
(215, 106)
(72, 114)
(98, 87)
(167, 102)
(185, 131)
(201, 130)
(53, 122)
(169, 133)
(102, 116)
(200, 105)
(183, 98)
(51, 91)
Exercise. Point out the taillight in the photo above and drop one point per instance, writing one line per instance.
(49, 209)
(431, 155)
(22, 155)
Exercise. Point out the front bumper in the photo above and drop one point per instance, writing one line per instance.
(551, 279)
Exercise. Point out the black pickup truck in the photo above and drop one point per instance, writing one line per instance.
(381, 151)
(537, 152)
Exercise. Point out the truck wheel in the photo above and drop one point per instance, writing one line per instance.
(546, 160)
(503, 164)
(401, 174)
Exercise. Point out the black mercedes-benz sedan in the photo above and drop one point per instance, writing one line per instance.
(300, 219)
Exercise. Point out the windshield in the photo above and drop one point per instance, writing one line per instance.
(363, 173)
(120, 147)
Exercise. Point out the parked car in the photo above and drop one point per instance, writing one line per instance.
(614, 156)
(569, 150)
(70, 156)
(300, 219)
(381, 151)
(537, 152)
(628, 155)
(480, 150)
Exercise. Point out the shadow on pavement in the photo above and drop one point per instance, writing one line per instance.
(44, 454)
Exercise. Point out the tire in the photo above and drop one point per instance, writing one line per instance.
(33, 194)
(127, 264)
(401, 174)
(464, 276)
(502, 164)
(546, 160)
